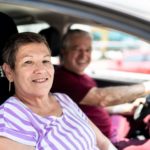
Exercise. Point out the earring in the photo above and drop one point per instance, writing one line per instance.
(9, 88)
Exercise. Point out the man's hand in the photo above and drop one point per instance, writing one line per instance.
(147, 87)
(127, 108)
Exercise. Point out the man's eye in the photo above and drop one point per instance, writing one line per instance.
(89, 50)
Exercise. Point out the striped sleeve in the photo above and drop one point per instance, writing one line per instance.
(15, 125)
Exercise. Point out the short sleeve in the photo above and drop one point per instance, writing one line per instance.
(15, 125)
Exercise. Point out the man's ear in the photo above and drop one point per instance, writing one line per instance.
(8, 72)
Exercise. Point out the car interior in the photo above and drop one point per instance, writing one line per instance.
(7, 29)
(55, 17)
(61, 15)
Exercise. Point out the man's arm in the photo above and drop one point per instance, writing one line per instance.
(126, 108)
(109, 96)
(7, 144)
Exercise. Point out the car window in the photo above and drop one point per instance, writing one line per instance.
(136, 58)
(148, 58)
(112, 49)
(35, 27)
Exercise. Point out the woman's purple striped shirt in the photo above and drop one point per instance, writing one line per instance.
(71, 131)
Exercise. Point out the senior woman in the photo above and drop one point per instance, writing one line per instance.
(33, 118)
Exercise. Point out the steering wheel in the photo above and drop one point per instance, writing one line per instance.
(142, 110)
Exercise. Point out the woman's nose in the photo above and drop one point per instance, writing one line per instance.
(39, 67)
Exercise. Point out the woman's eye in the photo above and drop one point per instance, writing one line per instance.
(46, 61)
(28, 62)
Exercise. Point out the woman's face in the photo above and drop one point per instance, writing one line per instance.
(33, 74)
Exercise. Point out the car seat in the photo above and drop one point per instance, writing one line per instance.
(53, 38)
(7, 29)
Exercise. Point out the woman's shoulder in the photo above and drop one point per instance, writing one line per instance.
(65, 100)
(10, 102)
(63, 97)
(15, 123)
(69, 104)
(12, 108)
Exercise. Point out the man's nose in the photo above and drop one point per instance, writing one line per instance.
(83, 52)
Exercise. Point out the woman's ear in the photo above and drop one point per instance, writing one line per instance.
(62, 52)
(8, 72)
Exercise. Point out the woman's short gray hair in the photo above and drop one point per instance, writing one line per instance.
(18, 40)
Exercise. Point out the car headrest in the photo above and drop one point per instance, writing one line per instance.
(7, 29)
(53, 38)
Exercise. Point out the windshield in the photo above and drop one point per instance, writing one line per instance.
(140, 9)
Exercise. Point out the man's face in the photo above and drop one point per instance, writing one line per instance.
(78, 56)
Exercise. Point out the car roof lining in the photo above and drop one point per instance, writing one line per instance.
(53, 15)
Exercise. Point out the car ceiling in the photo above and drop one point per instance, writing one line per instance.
(63, 12)
(134, 7)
